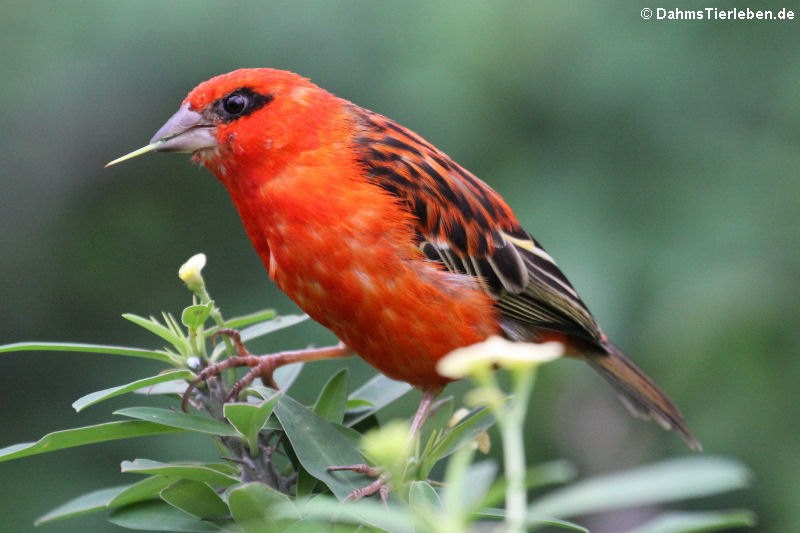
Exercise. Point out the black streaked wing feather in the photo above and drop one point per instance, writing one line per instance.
(467, 227)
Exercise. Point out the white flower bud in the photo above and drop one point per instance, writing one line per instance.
(191, 272)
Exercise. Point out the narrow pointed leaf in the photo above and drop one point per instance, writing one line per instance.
(537, 476)
(319, 445)
(469, 427)
(158, 516)
(698, 522)
(168, 387)
(533, 523)
(245, 320)
(179, 342)
(99, 396)
(69, 438)
(176, 419)
(332, 400)
(91, 502)
(146, 489)
(87, 348)
(672, 480)
(207, 473)
(195, 498)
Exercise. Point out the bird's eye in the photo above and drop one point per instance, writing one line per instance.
(239, 103)
(234, 104)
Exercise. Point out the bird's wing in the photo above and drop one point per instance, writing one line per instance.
(465, 225)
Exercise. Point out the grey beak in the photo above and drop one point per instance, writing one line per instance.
(185, 131)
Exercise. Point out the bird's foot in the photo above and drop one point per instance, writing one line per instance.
(381, 485)
(261, 366)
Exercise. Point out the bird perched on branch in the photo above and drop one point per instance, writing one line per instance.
(382, 238)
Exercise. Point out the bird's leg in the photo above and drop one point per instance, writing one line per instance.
(423, 411)
(262, 366)
(382, 483)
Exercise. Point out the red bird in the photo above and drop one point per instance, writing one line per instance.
(382, 238)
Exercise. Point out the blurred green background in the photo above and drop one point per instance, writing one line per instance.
(656, 160)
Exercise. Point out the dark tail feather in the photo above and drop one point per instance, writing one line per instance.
(640, 394)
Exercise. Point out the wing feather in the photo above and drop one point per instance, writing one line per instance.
(466, 226)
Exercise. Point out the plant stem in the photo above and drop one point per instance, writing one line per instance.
(512, 421)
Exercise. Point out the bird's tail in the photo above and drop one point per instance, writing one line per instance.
(640, 394)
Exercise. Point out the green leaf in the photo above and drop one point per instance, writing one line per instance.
(158, 516)
(146, 489)
(536, 523)
(168, 387)
(177, 419)
(169, 334)
(676, 479)
(195, 316)
(286, 375)
(318, 445)
(533, 524)
(537, 476)
(245, 320)
(248, 419)
(306, 483)
(259, 508)
(423, 498)
(563, 524)
(102, 499)
(698, 521)
(478, 477)
(70, 438)
(99, 396)
(378, 392)
(195, 498)
(88, 348)
(469, 427)
(87, 503)
(550, 473)
(367, 512)
(309, 526)
(455, 490)
(261, 329)
(332, 399)
(214, 473)
(354, 405)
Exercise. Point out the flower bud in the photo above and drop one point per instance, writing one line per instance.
(191, 272)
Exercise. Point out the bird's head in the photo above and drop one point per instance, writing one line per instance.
(247, 113)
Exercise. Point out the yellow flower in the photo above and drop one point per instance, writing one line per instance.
(191, 272)
(498, 351)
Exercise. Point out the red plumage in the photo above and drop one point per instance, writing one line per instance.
(384, 239)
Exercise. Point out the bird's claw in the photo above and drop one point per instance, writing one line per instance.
(381, 485)
(262, 366)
